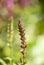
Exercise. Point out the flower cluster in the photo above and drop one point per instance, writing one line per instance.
(23, 40)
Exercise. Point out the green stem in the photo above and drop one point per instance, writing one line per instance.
(23, 59)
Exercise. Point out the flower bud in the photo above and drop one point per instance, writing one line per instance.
(23, 51)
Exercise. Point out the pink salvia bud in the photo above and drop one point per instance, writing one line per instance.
(23, 51)
(26, 45)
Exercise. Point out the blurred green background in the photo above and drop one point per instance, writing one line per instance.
(32, 17)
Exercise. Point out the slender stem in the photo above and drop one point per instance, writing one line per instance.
(23, 59)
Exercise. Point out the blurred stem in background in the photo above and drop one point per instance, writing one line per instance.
(9, 45)
(10, 33)
(42, 6)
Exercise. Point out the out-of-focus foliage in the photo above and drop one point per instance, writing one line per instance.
(31, 13)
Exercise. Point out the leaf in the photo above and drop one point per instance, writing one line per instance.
(2, 62)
